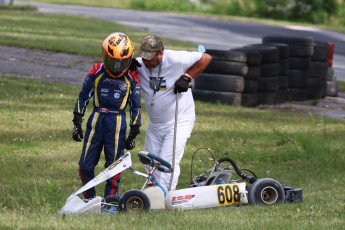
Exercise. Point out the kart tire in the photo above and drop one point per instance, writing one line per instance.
(266, 191)
(134, 201)
(112, 199)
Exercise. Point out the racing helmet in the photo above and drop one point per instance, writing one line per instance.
(117, 54)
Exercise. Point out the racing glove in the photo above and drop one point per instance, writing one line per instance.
(77, 130)
(182, 84)
(134, 64)
(130, 141)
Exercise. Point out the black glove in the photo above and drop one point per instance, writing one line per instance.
(182, 84)
(130, 142)
(134, 64)
(77, 130)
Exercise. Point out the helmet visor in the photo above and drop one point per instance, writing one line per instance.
(116, 66)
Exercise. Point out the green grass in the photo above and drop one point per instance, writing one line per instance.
(341, 85)
(68, 34)
(38, 161)
(98, 3)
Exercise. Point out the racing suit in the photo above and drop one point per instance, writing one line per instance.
(106, 126)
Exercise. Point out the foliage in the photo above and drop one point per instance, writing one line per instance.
(311, 11)
(158, 5)
(303, 10)
(307, 11)
(17, 7)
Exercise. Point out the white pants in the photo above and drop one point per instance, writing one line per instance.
(159, 141)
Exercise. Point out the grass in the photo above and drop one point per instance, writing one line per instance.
(68, 34)
(341, 86)
(39, 159)
(98, 3)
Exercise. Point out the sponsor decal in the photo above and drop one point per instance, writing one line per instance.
(122, 85)
(115, 163)
(117, 95)
(181, 200)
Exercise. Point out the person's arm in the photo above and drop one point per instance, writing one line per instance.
(195, 70)
(134, 99)
(83, 100)
(87, 90)
(135, 116)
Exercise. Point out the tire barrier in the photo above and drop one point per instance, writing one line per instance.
(224, 79)
(268, 82)
(318, 70)
(281, 68)
(301, 51)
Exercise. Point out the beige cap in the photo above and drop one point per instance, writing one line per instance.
(150, 46)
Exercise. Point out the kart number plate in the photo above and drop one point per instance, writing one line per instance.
(228, 194)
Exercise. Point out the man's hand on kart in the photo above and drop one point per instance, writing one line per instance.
(77, 133)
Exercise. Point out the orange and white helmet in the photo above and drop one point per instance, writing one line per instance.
(117, 54)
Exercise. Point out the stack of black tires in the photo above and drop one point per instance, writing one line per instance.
(316, 87)
(271, 87)
(301, 52)
(223, 79)
(281, 68)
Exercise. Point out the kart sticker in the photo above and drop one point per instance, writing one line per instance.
(228, 194)
(181, 200)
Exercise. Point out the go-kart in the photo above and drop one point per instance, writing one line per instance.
(213, 188)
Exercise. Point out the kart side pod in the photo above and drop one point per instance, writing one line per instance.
(207, 196)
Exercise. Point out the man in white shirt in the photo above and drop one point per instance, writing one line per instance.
(163, 74)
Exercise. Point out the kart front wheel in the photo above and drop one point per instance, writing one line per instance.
(111, 203)
(134, 201)
(266, 191)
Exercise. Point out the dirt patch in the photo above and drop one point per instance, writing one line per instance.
(66, 68)
(44, 65)
(332, 107)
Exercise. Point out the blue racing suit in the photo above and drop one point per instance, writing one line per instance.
(106, 126)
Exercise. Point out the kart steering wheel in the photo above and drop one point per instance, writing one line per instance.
(164, 166)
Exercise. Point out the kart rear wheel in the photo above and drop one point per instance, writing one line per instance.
(266, 191)
(112, 203)
(134, 201)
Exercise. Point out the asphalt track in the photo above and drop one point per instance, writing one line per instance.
(212, 33)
